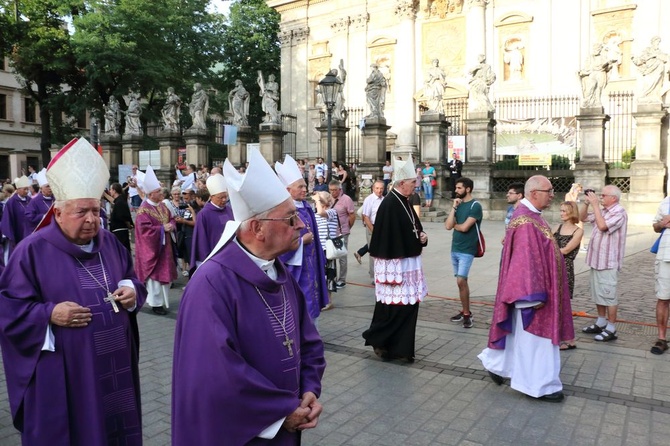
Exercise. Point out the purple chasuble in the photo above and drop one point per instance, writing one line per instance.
(529, 240)
(311, 275)
(233, 375)
(208, 229)
(87, 391)
(153, 249)
(38, 206)
(14, 223)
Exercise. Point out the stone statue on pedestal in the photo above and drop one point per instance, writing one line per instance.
(112, 116)
(270, 98)
(436, 81)
(375, 93)
(652, 63)
(198, 108)
(482, 77)
(133, 113)
(238, 104)
(594, 76)
(171, 111)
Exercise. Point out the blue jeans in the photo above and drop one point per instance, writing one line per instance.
(461, 263)
(427, 190)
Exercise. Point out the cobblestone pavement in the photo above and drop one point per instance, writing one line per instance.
(617, 392)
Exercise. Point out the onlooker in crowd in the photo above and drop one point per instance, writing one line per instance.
(532, 312)
(321, 185)
(396, 244)
(387, 171)
(569, 236)
(177, 208)
(248, 360)
(464, 217)
(455, 168)
(120, 219)
(662, 273)
(154, 261)
(66, 301)
(418, 188)
(188, 179)
(40, 203)
(326, 221)
(134, 184)
(321, 168)
(187, 222)
(13, 225)
(307, 262)
(369, 214)
(514, 197)
(605, 257)
(311, 178)
(428, 173)
(346, 217)
(211, 220)
(415, 198)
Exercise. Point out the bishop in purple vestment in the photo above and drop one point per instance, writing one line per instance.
(38, 206)
(66, 298)
(208, 229)
(14, 226)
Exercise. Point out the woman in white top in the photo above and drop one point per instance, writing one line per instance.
(326, 222)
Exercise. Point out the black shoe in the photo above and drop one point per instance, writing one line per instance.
(496, 378)
(340, 284)
(159, 311)
(555, 397)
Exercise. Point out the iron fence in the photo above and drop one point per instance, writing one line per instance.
(456, 112)
(289, 125)
(619, 130)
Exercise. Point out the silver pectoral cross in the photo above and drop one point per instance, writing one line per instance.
(416, 232)
(111, 300)
(287, 343)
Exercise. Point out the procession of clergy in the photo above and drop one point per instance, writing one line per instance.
(248, 359)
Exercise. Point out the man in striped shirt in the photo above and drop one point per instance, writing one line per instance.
(605, 256)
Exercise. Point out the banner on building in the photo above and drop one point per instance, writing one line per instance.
(229, 134)
(542, 136)
(456, 144)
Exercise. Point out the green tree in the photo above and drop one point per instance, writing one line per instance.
(251, 44)
(34, 34)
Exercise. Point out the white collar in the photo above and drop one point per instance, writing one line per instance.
(530, 206)
(268, 266)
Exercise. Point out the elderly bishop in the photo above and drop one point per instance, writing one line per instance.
(13, 223)
(69, 351)
(40, 204)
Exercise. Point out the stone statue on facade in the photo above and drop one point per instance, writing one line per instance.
(198, 107)
(112, 116)
(436, 81)
(652, 63)
(133, 113)
(594, 76)
(513, 57)
(375, 93)
(170, 111)
(238, 104)
(270, 98)
(481, 79)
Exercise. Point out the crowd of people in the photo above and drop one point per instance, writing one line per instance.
(254, 245)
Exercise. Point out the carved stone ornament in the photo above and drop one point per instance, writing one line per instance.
(359, 21)
(406, 9)
(285, 36)
(339, 25)
(480, 3)
(300, 35)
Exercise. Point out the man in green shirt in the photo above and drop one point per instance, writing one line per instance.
(465, 213)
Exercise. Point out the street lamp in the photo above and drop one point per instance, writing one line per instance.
(330, 88)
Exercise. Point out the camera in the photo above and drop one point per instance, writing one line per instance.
(183, 206)
(586, 191)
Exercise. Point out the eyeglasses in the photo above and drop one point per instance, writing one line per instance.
(291, 219)
(549, 191)
(513, 193)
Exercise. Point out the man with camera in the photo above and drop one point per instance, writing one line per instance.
(605, 256)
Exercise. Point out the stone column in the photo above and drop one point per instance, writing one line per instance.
(591, 170)
(339, 134)
(237, 153)
(647, 172)
(271, 139)
(372, 156)
(169, 143)
(18, 158)
(131, 146)
(111, 152)
(479, 153)
(196, 147)
(476, 26)
(433, 138)
(405, 78)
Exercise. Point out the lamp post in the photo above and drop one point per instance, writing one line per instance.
(330, 88)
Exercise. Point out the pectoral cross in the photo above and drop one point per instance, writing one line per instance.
(416, 231)
(110, 299)
(287, 343)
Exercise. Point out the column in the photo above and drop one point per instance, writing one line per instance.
(131, 146)
(373, 155)
(404, 77)
(475, 23)
(271, 139)
(591, 170)
(111, 152)
(479, 153)
(433, 138)
(339, 131)
(196, 147)
(237, 153)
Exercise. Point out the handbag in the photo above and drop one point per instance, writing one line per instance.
(657, 243)
(481, 243)
(433, 182)
(335, 248)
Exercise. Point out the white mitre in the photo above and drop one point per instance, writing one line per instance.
(216, 184)
(41, 177)
(150, 182)
(289, 172)
(404, 169)
(77, 171)
(249, 194)
(22, 181)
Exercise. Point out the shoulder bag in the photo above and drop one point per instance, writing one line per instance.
(657, 243)
(481, 243)
(335, 248)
